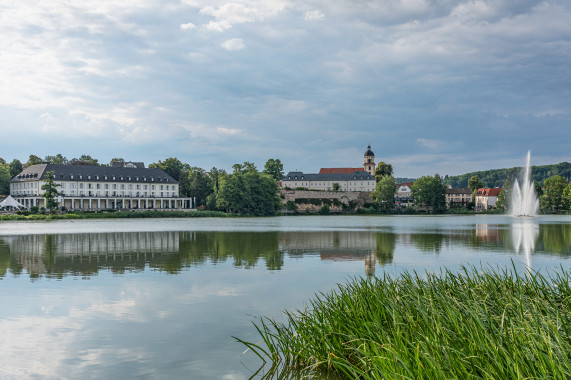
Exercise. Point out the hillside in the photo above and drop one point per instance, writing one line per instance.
(497, 177)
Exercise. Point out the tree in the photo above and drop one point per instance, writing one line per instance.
(248, 193)
(383, 169)
(33, 160)
(385, 191)
(504, 198)
(50, 191)
(552, 199)
(474, 183)
(335, 186)
(274, 168)
(538, 189)
(429, 192)
(199, 185)
(4, 179)
(247, 166)
(58, 159)
(567, 197)
(214, 175)
(172, 166)
(113, 160)
(15, 168)
(84, 159)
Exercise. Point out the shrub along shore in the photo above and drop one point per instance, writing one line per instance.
(487, 324)
(115, 215)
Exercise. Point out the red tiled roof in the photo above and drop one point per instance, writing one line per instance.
(340, 170)
(489, 192)
(409, 184)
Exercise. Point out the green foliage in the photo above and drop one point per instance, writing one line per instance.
(504, 198)
(84, 159)
(33, 160)
(553, 199)
(567, 197)
(382, 170)
(274, 168)
(474, 183)
(496, 177)
(291, 206)
(197, 184)
(117, 159)
(325, 210)
(172, 166)
(480, 324)
(50, 191)
(429, 192)
(247, 192)
(34, 209)
(246, 167)
(15, 168)
(4, 179)
(58, 159)
(336, 186)
(385, 191)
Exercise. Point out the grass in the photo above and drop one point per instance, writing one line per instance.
(489, 324)
(116, 215)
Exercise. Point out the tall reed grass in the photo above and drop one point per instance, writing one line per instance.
(494, 324)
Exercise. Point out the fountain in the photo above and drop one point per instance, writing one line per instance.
(524, 202)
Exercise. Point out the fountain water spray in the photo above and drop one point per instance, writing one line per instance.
(524, 202)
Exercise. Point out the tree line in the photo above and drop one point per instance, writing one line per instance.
(497, 177)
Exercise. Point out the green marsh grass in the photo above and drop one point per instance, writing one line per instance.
(493, 324)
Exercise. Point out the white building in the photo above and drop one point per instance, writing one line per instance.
(356, 181)
(83, 187)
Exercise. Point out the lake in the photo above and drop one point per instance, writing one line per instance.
(162, 298)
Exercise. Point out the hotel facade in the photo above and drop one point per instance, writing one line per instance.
(82, 187)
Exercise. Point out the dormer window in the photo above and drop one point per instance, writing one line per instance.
(105, 178)
(71, 176)
(88, 177)
(96, 177)
(121, 178)
(80, 177)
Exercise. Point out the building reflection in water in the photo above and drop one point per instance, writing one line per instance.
(86, 254)
(369, 246)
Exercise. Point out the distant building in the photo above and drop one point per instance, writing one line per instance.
(356, 181)
(486, 198)
(403, 196)
(127, 185)
(458, 197)
(360, 179)
(368, 165)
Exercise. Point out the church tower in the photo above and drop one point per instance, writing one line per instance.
(369, 165)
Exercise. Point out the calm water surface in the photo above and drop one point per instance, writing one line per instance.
(163, 298)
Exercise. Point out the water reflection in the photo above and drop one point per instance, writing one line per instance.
(60, 255)
(524, 236)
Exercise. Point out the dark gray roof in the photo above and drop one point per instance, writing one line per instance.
(94, 174)
(369, 152)
(358, 175)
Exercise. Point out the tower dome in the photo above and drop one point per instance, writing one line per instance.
(369, 152)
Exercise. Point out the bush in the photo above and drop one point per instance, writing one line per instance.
(34, 209)
(291, 206)
(325, 210)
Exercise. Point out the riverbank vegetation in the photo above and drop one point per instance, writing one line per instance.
(112, 214)
(494, 324)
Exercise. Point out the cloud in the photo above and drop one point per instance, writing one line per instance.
(187, 26)
(233, 44)
(313, 16)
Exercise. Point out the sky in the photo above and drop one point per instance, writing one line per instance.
(442, 86)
